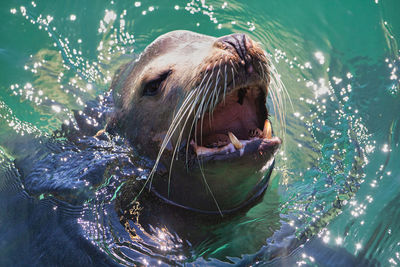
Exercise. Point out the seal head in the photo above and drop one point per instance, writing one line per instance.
(196, 106)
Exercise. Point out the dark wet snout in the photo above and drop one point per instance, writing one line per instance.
(238, 41)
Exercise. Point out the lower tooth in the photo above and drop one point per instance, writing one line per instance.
(236, 143)
(258, 132)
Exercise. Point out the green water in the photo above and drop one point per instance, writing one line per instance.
(336, 183)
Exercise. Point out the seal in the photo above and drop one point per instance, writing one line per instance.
(196, 106)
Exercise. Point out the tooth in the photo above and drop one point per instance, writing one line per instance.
(236, 143)
(258, 132)
(267, 132)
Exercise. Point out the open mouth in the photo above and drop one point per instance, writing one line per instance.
(237, 126)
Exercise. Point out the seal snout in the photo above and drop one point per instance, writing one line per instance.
(238, 116)
(239, 43)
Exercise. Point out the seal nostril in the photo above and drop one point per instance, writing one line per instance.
(238, 42)
(241, 94)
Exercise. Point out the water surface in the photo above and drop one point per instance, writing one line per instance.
(333, 197)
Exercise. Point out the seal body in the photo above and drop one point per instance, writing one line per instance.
(196, 106)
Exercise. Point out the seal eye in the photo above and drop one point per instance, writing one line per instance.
(153, 87)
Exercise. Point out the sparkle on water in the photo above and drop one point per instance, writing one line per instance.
(335, 178)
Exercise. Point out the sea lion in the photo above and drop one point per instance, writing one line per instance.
(196, 106)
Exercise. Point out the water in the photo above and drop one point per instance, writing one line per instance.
(332, 199)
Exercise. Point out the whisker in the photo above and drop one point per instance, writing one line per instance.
(209, 189)
(195, 116)
(279, 93)
(177, 145)
(176, 120)
(205, 96)
(233, 65)
(214, 97)
(203, 110)
(233, 79)
(225, 84)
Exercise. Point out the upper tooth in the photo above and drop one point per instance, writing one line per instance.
(267, 132)
(236, 143)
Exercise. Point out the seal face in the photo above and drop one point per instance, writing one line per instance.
(196, 105)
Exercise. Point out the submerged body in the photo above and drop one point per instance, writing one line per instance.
(196, 106)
